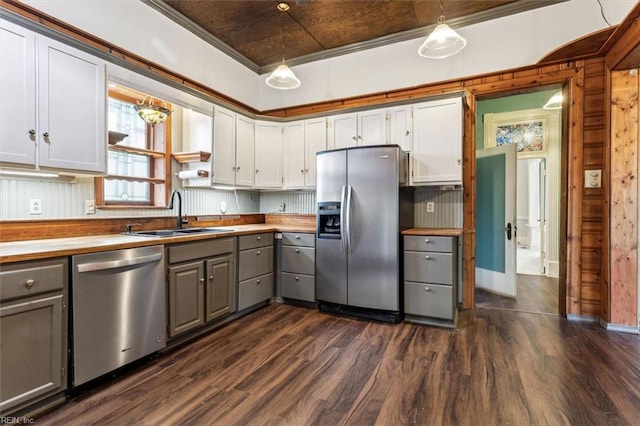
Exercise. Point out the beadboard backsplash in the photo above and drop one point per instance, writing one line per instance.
(62, 200)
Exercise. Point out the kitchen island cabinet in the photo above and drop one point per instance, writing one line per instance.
(201, 283)
(53, 104)
(33, 333)
(255, 269)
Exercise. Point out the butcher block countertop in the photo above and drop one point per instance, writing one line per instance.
(18, 251)
(436, 232)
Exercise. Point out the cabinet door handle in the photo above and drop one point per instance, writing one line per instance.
(32, 132)
(256, 171)
(427, 289)
(258, 253)
(211, 278)
(29, 283)
(258, 281)
(297, 237)
(302, 171)
(238, 169)
(297, 250)
(427, 257)
(354, 138)
(407, 133)
(45, 134)
(306, 170)
(201, 280)
(427, 241)
(297, 278)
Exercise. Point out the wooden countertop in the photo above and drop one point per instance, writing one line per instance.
(18, 251)
(437, 232)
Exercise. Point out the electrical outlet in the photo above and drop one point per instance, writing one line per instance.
(431, 207)
(282, 207)
(35, 206)
(90, 206)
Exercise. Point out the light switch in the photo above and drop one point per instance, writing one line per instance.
(592, 178)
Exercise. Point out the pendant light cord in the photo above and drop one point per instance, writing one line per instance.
(602, 13)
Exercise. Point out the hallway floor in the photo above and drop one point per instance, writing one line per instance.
(536, 293)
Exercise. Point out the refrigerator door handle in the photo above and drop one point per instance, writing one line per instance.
(348, 214)
(343, 239)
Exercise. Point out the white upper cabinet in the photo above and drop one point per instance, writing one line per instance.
(436, 153)
(399, 126)
(372, 127)
(301, 141)
(315, 140)
(245, 141)
(233, 145)
(268, 155)
(343, 131)
(197, 135)
(53, 103)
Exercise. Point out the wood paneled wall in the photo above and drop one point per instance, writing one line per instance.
(623, 257)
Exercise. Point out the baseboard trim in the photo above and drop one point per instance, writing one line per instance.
(582, 318)
(619, 328)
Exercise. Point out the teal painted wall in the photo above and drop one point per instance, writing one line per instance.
(490, 213)
(507, 104)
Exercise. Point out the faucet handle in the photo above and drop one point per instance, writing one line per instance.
(130, 226)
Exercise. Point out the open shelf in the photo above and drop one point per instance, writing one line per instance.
(134, 179)
(191, 157)
(139, 151)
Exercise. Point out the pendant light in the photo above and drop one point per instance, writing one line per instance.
(555, 102)
(152, 113)
(443, 41)
(283, 78)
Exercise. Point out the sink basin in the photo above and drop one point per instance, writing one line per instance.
(177, 232)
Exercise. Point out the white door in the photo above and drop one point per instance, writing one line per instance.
(72, 108)
(343, 131)
(244, 146)
(315, 135)
(372, 127)
(543, 215)
(496, 219)
(224, 146)
(18, 100)
(293, 156)
(268, 155)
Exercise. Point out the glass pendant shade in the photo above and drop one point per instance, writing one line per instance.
(152, 114)
(283, 78)
(442, 43)
(555, 102)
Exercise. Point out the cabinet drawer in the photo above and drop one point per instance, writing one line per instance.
(300, 260)
(428, 243)
(301, 287)
(298, 239)
(429, 300)
(428, 267)
(31, 278)
(255, 290)
(254, 262)
(255, 240)
(200, 249)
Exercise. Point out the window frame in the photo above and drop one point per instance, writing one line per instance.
(158, 150)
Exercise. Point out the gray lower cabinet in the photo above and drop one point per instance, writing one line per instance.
(33, 332)
(255, 269)
(201, 283)
(299, 266)
(430, 279)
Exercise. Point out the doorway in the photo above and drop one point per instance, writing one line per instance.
(520, 119)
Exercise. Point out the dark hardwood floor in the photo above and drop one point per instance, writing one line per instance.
(286, 365)
(536, 293)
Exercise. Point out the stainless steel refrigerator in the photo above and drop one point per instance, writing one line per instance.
(363, 205)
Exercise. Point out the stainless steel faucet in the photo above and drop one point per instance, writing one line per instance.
(179, 221)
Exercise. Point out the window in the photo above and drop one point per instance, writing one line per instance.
(138, 172)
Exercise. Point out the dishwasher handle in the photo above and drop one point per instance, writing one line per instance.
(113, 264)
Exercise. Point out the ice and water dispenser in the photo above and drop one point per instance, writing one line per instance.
(329, 220)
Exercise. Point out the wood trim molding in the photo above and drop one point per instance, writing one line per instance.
(622, 50)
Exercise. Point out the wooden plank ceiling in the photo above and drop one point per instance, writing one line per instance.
(251, 30)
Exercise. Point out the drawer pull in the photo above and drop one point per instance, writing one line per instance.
(427, 241)
(427, 289)
(297, 237)
(427, 257)
(258, 253)
(201, 280)
(258, 281)
(297, 250)
(297, 278)
(259, 238)
(211, 278)
(29, 283)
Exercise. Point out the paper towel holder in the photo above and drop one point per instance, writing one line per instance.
(189, 174)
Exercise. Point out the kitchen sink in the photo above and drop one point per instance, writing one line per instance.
(177, 232)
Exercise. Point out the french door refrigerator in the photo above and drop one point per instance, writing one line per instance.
(363, 205)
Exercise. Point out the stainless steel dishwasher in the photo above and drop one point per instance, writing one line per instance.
(119, 309)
